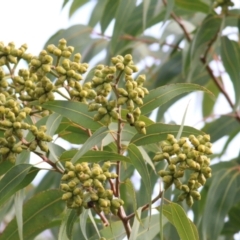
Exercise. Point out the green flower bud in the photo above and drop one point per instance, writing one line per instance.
(159, 157)
(122, 100)
(4, 150)
(185, 188)
(130, 105)
(189, 200)
(120, 66)
(178, 174)
(130, 118)
(114, 115)
(195, 194)
(177, 183)
(66, 53)
(6, 123)
(182, 196)
(16, 149)
(138, 101)
(66, 196)
(64, 187)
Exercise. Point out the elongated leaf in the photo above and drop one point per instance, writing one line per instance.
(123, 13)
(161, 95)
(5, 166)
(53, 122)
(39, 213)
(83, 222)
(136, 224)
(230, 54)
(232, 225)
(18, 202)
(94, 156)
(140, 165)
(108, 14)
(177, 216)
(146, 4)
(158, 132)
(95, 46)
(220, 198)
(206, 32)
(95, 139)
(94, 223)
(66, 228)
(15, 179)
(131, 193)
(208, 103)
(222, 126)
(195, 6)
(75, 111)
(76, 4)
(97, 13)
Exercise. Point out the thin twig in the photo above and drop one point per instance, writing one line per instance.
(146, 206)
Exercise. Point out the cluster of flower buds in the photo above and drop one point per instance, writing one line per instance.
(133, 93)
(186, 154)
(84, 186)
(35, 83)
(102, 83)
(12, 122)
(10, 55)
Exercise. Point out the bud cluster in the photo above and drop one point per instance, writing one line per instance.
(13, 123)
(105, 79)
(84, 186)
(186, 154)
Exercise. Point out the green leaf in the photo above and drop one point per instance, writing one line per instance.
(74, 111)
(5, 166)
(220, 199)
(76, 4)
(140, 165)
(230, 54)
(232, 225)
(18, 202)
(177, 216)
(95, 139)
(136, 224)
(108, 14)
(195, 6)
(131, 193)
(94, 156)
(66, 228)
(15, 179)
(95, 46)
(146, 4)
(205, 33)
(53, 122)
(161, 95)
(83, 222)
(97, 13)
(123, 13)
(39, 213)
(222, 126)
(158, 132)
(208, 103)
